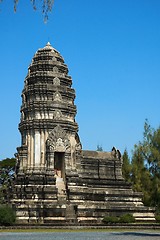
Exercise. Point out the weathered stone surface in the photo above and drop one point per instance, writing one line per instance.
(56, 181)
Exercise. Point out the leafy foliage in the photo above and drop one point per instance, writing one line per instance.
(126, 167)
(7, 168)
(99, 148)
(46, 6)
(7, 215)
(126, 218)
(158, 218)
(144, 170)
(110, 219)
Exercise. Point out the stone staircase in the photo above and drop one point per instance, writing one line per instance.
(61, 188)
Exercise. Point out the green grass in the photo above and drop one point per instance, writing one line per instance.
(43, 230)
(65, 230)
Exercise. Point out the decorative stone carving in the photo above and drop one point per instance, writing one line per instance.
(56, 81)
(23, 98)
(78, 147)
(57, 97)
(55, 69)
(116, 153)
(58, 140)
(60, 146)
(57, 114)
(78, 144)
(22, 116)
(119, 156)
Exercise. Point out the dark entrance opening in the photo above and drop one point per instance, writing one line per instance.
(59, 164)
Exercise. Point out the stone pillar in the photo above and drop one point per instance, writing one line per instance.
(37, 148)
(51, 159)
(32, 148)
(45, 148)
(29, 150)
(42, 147)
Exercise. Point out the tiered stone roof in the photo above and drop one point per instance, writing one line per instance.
(48, 98)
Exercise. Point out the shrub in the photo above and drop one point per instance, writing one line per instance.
(157, 218)
(127, 218)
(7, 215)
(110, 219)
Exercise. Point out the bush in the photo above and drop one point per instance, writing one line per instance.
(110, 219)
(157, 218)
(127, 218)
(7, 215)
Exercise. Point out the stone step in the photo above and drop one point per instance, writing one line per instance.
(60, 185)
(70, 212)
(61, 198)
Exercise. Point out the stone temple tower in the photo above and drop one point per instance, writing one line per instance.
(57, 182)
(48, 128)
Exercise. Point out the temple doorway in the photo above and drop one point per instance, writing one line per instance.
(59, 166)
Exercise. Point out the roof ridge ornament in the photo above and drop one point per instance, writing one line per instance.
(48, 44)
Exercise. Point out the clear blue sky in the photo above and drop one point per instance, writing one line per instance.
(112, 49)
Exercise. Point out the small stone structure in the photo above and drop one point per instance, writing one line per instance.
(56, 181)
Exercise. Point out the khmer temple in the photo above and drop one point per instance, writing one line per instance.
(57, 182)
